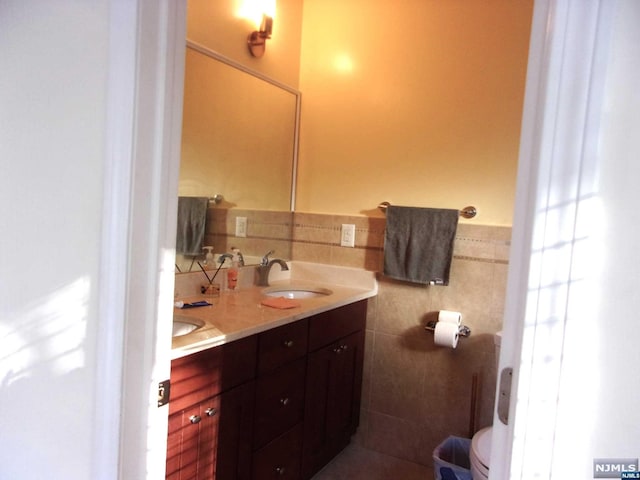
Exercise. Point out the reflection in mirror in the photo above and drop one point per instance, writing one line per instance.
(239, 141)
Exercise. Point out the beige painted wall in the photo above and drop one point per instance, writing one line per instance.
(216, 25)
(418, 105)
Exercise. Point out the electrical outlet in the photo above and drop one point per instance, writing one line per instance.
(348, 237)
(241, 226)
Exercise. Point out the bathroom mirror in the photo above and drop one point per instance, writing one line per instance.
(239, 145)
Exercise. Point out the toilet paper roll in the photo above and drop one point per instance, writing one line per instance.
(446, 335)
(447, 316)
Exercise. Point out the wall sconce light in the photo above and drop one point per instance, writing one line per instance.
(257, 40)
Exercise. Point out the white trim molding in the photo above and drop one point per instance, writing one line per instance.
(137, 274)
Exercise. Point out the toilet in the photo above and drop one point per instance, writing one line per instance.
(480, 451)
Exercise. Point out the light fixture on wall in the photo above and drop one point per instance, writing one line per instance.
(257, 40)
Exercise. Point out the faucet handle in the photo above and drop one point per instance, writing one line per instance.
(265, 259)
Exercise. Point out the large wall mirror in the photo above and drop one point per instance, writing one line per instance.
(239, 147)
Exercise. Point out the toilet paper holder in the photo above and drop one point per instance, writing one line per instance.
(463, 330)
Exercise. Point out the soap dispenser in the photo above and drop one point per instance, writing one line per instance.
(208, 258)
(233, 272)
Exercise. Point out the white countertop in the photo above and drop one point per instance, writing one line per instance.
(238, 314)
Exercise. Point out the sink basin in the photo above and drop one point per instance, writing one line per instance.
(185, 325)
(297, 292)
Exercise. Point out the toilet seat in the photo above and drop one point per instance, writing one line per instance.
(481, 453)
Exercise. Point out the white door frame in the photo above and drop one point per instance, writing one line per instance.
(140, 207)
(145, 90)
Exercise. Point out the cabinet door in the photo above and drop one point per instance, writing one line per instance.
(182, 444)
(212, 440)
(334, 381)
(234, 434)
(343, 414)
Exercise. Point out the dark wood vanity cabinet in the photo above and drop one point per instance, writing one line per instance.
(333, 387)
(277, 405)
(211, 413)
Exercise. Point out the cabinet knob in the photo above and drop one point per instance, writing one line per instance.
(195, 418)
(344, 347)
(284, 401)
(210, 412)
(337, 350)
(288, 343)
(280, 470)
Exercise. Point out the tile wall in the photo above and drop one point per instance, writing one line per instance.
(414, 393)
(266, 230)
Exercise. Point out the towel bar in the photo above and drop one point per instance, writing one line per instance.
(216, 199)
(466, 212)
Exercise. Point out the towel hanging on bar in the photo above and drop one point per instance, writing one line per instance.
(418, 244)
(192, 219)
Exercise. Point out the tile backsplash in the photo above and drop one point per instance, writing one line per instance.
(414, 393)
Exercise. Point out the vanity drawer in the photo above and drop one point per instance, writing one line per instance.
(281, 458)
(279, 401)
(207, 373)
(282, 345)
(328, 327)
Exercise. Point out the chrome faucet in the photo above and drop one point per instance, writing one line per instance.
(223, 257)
(264, 268)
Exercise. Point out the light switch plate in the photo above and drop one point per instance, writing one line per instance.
(348, 236)
(241, 226)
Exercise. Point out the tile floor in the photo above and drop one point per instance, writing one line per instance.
(358, 463)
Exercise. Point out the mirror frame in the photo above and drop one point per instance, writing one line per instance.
(297, 94)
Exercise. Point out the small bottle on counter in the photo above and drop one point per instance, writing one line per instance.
(233, 272)
(208, 258)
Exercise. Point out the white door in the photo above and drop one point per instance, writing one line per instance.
(571, 319)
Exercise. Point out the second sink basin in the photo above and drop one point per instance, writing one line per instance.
(297, 292)
(185, 325)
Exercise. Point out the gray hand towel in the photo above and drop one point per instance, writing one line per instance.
(192, 219)
(418, 244)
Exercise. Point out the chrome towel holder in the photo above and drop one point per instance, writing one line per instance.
(466, 212)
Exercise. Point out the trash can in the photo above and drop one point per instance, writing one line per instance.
(451, 459)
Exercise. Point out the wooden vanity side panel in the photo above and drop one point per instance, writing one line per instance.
(325, 328)
(210, 372)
